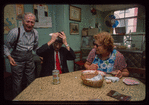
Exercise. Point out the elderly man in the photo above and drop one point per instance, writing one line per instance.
(54, 55)
(22, 40)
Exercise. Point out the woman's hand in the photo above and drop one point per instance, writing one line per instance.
(121, 73)
(117, 73)
(90, 66)
(93, 67)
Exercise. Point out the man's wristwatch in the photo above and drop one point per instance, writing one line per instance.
(67, 45)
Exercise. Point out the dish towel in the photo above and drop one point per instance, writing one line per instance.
(113, 79)
(96, 78)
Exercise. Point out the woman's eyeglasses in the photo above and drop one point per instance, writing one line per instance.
(96, 44)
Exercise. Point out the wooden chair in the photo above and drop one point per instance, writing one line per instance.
(138, 73)
(78, 62)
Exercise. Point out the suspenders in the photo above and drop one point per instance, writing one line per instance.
(18, 39)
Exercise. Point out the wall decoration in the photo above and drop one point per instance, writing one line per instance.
(74, 13)
(9, 18)
(42, 19)
(19, 11)
(74, 28)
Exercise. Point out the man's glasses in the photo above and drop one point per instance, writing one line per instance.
(96, 44)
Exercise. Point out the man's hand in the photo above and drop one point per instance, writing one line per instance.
(11, 60)
(53, 38)
(63, 36)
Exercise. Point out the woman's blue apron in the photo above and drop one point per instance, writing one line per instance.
(106, 65)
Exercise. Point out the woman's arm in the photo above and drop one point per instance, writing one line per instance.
(120, 66)
(90, 66)
(125, 72)
(87, 65)
(122, 73)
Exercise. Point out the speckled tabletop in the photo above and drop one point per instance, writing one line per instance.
(71, 88)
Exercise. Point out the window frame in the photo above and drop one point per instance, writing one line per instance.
(131, 17)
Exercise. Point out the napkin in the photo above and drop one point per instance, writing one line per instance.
(50, 34)
(130, 81)
(113, 79)
(96, 78)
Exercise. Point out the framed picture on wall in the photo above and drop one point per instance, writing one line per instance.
(74, 28)
(74, 13)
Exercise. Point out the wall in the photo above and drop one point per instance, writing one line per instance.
(60, 21)
(100, 19)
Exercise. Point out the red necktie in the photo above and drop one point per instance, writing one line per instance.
(58, 63)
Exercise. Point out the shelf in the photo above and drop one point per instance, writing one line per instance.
(127, 34)
(129, 50)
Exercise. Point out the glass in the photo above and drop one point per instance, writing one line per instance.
(121, 23)
(131, 21)
(130, 29)
(131, 12)
(119, 14)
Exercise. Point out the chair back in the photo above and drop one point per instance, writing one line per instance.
(138, 73)
(78, 55)
(78, 62)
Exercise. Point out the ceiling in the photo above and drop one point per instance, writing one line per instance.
(112, 7)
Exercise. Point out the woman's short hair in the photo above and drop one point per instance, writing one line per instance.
(106, 40)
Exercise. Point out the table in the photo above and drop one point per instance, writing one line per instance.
(71, 88)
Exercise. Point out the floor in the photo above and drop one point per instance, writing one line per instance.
(8, 94)
(8, 83)
(8, 87)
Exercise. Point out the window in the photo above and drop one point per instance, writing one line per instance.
(127, 18)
